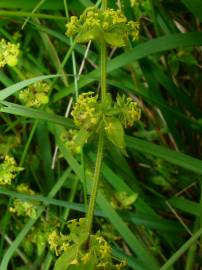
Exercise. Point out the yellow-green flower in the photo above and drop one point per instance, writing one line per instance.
(8, 170)
(97, 251)
(95, 24)
(24, 208)
(8, 53)
(58, 242)
(84, 111)
(129, 110)
(35, 95)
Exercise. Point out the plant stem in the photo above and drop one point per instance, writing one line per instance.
(95, 182)
(104, 4)
(103, 61)
(99, 158)
(103, 69)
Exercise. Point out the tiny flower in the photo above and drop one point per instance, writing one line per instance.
(58, 242)
(84, 111)
(129, 110)
(133, 29)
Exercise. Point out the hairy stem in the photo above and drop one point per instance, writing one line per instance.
(103, 69)
(99, 158)
(104, 4)
(95, 182)
(103, 61)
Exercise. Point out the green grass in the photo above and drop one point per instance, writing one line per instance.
(162, 164)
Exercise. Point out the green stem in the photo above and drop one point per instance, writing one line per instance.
(99, 158)
(103, 69)
(95, 181)
(104, 4)
(103, 60)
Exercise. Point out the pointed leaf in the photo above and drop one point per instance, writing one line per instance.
(115, 132)
(115, 39)
(67, 258)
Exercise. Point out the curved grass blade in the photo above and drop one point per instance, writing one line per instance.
(12, 108)
(177, 158)
(20, 85)
(147, 48)
(194, 6)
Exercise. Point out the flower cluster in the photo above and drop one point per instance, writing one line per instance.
(8, 53)
(24, 208)
(90, 115)
(8, 170)
(129, 111)
(84, 111)
(95, 24)
(35, 95)
(58, 242)
(97, 253)
(86, 116)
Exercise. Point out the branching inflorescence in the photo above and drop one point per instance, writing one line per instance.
(74, 252)
(106, 118)
(110, 25)
(91, 115)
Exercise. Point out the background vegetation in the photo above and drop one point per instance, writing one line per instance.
(161, 228)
